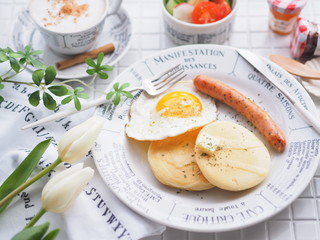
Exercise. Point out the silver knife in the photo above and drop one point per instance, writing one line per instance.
(260, 65)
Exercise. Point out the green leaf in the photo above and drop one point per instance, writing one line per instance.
(3, 56)
(14, 64)
(48, 101)
(110, 94)
(16, 55)
(23, 171)
(100, 58)
(77, 103)
(21, 52)
(32, 233)
(36, 52)
(37, 76)
(123, 86)
(58, 90)
(90, 62)
(78, 89)
(8, 50)
(1, 99)
(127, 94)
(106, 68)
(67, 100)
(116, 99)
(22, 60)
(34, 98)
(37, 64)
(52, 235)
(102, 75)
(91, 71)
(27, 49)
(50, 75)
(83, 95)
(1, 86)
(116, 86)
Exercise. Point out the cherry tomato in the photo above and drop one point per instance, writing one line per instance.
(224, 9)
(205, 12)
(208, 12)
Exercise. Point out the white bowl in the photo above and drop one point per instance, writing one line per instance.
(188, 33)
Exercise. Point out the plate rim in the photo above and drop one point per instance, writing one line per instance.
(296, 194)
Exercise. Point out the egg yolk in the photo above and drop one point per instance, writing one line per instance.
(179, 104)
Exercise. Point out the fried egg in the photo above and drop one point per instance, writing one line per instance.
(178, 110)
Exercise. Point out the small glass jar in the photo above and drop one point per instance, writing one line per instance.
(284, 14)
(305, 39)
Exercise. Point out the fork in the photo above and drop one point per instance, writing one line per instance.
(153, 86)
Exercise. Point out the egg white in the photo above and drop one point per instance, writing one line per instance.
(146, 124)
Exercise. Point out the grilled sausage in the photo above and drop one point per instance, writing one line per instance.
(240, 103)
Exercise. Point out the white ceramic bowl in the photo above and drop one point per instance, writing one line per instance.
(188, 33)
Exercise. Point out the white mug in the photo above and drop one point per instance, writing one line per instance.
(77, 41)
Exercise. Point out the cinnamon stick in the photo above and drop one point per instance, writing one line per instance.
(108, 48)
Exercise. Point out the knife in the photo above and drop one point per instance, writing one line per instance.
(260, 65)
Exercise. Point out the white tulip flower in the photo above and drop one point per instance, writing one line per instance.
(73, 146)
(76, 142)
(61, 190)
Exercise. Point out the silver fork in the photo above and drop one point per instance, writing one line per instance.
(153, 86)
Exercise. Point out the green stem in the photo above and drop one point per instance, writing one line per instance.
(93, 79)
(6, 73)
(29, 182)
(78, 81)
(12, 81)
(15, 74)
(36, 218)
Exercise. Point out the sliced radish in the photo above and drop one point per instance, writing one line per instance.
(183, 12)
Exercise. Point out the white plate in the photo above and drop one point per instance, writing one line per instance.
(117, 29)
(312, 86)
(122, 162)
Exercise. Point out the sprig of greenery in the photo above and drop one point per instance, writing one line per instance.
(117, 92)
(74, 95)
(43, 79)
(97, 68)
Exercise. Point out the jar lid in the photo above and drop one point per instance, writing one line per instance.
(299, 36)
(287, 6)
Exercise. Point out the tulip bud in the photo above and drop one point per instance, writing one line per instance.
(61, 190)
(76, 142)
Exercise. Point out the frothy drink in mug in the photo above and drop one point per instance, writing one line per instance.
(67, 15)
(69, 26)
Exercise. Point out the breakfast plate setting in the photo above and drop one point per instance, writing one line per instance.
(122, 161)
(228, 150)
(117, 30)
